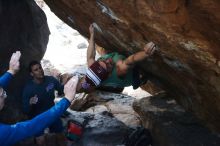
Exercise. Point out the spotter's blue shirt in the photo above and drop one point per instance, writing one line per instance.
(11, 134)
(45, 93)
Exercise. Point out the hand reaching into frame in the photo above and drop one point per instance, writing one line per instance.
(14, 64)
(70, 88)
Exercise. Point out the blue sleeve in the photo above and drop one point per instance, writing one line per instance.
(25, 100)
(5, 78)
(14, 133)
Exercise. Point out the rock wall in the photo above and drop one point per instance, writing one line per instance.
(187, 32)
(23, 27)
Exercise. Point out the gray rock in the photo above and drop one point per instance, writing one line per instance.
(171, 125)
(82, 46)
(101, 129)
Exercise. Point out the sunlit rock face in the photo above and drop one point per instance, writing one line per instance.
(23, 26)
(187, 33)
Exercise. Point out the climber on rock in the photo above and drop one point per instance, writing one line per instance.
(112, 71)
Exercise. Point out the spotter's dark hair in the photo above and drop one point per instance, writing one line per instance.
(32, 63)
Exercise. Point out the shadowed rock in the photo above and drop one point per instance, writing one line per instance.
(170, 124)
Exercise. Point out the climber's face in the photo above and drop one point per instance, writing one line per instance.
(3, 95)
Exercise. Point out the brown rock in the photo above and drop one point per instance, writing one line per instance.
(187, 33)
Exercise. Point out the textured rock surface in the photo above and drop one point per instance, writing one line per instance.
(119, 105)
(170, 124)
(101, 129)
(23, 27)
(187, 33)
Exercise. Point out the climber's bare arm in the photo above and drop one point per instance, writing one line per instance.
(124, 65)
(91, 48)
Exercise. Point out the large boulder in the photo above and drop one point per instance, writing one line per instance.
(23, 27)
(187, 32)
(171, 125)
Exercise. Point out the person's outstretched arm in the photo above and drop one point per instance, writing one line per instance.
(5, 79)
(10, 134)
(14, 65)
(91, 48)
(129, 62)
